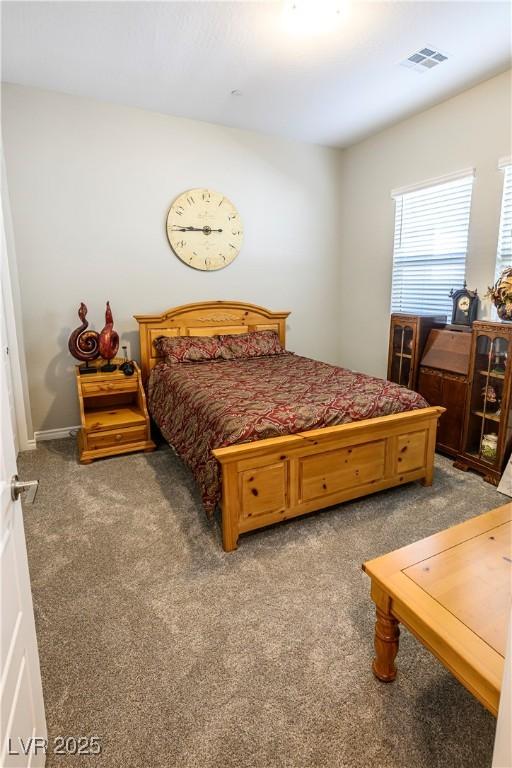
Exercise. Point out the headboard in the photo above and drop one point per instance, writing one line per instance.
(205, 318)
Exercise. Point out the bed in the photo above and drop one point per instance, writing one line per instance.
(278, 436)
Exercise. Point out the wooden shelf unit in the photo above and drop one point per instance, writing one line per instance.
(113, 414)
(467, 371)
(407, 337)
(491, 349)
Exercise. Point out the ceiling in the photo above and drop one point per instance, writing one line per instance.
(331, 86)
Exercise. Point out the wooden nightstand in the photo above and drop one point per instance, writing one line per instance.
(114, 415)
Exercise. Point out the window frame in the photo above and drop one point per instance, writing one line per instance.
(505, 165)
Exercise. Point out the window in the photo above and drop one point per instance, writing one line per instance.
(431, 241)
(504, 255)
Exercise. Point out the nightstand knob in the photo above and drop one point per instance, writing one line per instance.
(119, 437)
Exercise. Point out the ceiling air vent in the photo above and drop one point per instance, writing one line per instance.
(424, 59)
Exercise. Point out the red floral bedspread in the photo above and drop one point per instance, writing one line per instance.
(200, 406)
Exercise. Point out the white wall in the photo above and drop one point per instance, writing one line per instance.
(10, 292)
(90, 185)
(469, 130)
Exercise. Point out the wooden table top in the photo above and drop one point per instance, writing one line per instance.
(454, 590)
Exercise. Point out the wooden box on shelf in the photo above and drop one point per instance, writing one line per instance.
(113, 414)
(407, 337)
(488, 429)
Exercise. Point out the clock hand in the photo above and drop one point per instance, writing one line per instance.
(205, 229)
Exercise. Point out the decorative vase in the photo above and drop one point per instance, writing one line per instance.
(84, 344)
(489, 447)
(109, 341)
(501, 294)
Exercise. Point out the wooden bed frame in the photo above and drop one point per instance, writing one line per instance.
(270, 480)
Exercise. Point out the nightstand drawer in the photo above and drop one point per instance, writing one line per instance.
(99, 440)
(109, 387)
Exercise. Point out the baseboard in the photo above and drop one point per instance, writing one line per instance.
(54, 434)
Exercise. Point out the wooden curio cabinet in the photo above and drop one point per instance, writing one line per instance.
(488, 428)
(407, 337)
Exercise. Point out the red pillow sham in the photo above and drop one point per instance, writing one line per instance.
(188, 349)
(255, 344)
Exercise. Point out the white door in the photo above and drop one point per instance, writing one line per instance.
(22, 719)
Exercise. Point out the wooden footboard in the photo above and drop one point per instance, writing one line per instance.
(267, 481)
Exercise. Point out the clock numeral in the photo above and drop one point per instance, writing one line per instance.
(206, 197)
(181, 243)
(220, 203)
(234, 232)
(179, 210)
(232, 246)
(233, 216)
(190, 200)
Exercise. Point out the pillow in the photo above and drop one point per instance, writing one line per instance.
(188, 349)
(256, 344)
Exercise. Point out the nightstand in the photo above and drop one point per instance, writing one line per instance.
(113, 413)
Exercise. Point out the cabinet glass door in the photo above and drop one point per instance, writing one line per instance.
(401, 351)
(485, 416)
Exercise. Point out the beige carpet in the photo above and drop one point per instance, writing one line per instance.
(178, 655)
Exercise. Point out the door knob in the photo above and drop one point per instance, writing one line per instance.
(20, 486)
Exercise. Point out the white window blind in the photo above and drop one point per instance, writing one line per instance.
(431, 241)
(504, 255)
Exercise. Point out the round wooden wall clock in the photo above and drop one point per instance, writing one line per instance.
(204, 229)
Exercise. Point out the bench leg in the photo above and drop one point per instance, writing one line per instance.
(387, 633)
